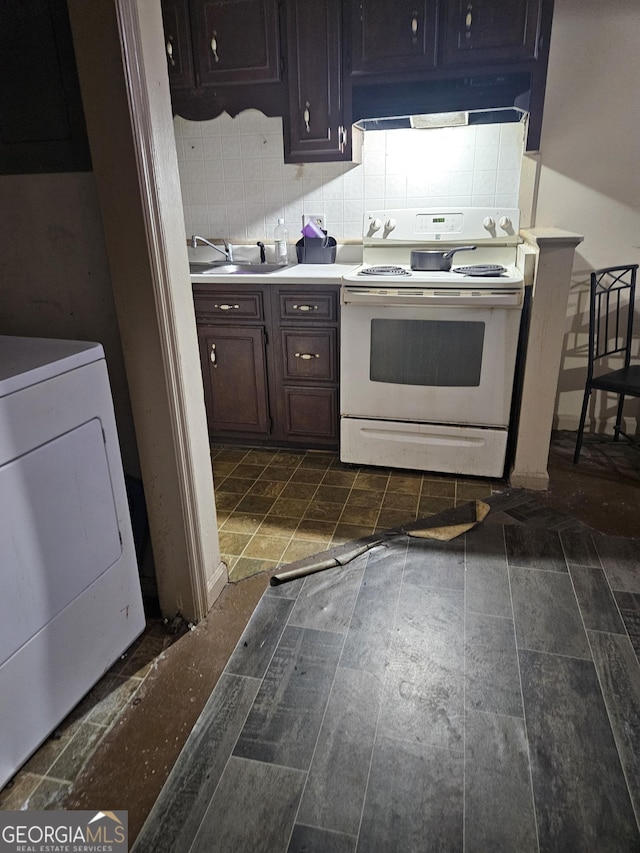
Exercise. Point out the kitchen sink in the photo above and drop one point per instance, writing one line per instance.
(205, 267)
(226, 268)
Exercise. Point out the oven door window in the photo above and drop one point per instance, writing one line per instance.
(426, 352)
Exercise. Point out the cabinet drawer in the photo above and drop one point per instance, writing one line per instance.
(230, 305)
(310, 356)
(309, 305)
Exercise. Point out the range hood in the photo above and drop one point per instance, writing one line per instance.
(450, 102)
(459, 118)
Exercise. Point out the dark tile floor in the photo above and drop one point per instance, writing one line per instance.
(273, 507)
(139, 746)
(278, 506)
(481, 694)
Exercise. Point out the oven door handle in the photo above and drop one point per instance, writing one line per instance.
(477, 299)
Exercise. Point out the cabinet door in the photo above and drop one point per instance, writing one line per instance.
(235, 379)
(42, 126)
(316, 123)
(177, 44)
(393, 35)
(311, 415)
(480, 32)
(235, 41)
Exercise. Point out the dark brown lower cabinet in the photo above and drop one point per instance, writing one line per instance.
(311, 414)
(309, 355)
(235, 379)
(269, 357)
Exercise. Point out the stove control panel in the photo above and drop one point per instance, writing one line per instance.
(448, 225)
(439, 223)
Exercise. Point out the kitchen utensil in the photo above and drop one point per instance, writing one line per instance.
(312, 250)
(433, 260)
(312, 231)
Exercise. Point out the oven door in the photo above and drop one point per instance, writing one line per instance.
(438, 364)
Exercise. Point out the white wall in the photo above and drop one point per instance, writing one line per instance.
(54, 275)
(235, 183)
(590, 161)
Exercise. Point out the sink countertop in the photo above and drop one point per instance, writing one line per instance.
(293, 274)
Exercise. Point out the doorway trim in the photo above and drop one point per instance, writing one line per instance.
(124, 82)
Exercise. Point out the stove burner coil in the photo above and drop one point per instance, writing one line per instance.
(384, 271)
(480, 269)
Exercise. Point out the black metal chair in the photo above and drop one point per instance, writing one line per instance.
(611, 310)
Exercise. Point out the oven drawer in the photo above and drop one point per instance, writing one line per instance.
(450, 449)
(309, 305)
(309, 356)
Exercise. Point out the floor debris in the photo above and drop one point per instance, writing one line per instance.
(444, 526)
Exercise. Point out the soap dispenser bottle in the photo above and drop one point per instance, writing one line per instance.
(280, 235)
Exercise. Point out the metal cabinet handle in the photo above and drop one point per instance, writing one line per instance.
(342, 138)
(307, 356)
(307, 116)
(212, 355)
(226, 307)
(214, 46)
(305, 307)
(414, 25)
(468, 20)
(170, 51)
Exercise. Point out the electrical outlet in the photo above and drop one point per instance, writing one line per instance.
(317, 218)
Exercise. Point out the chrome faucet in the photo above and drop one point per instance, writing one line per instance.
(228, 252)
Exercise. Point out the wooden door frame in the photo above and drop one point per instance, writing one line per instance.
(119, 48)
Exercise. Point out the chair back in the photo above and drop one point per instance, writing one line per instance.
(613, 292)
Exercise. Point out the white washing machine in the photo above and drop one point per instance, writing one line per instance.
(70, 600)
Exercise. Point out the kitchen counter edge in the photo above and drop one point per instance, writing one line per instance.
(293, 274)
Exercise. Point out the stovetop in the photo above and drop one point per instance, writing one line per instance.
(402, 275)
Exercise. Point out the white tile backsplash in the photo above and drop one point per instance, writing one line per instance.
(236, 185)
(214, 170)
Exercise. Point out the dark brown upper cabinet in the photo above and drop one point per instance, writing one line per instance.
(235, 41)
(438, 35)
(482, 32)
(319, 125)
(324, 64)
(223, 55)
(177, 38)
(393, 35)
(221, 42)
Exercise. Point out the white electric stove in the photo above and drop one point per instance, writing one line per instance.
(428, 357)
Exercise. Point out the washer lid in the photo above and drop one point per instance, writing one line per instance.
(26, 361)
